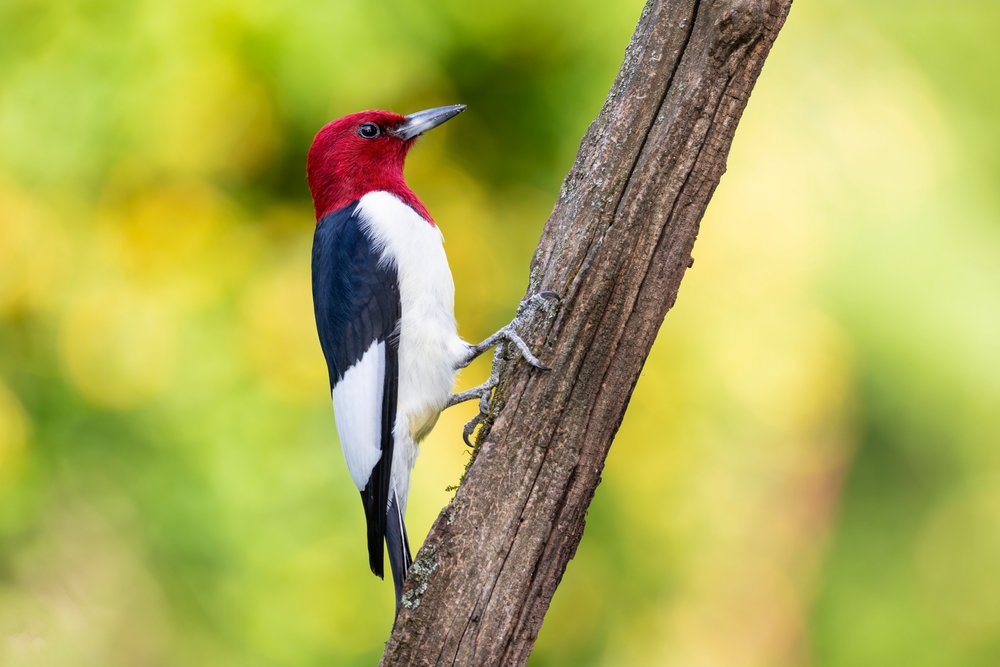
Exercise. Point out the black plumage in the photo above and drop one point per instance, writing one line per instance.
(357, 302)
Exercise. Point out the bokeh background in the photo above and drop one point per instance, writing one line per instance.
(808, 474)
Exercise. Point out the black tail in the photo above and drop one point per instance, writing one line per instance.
(398, 546)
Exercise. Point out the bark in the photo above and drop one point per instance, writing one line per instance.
(615, 249)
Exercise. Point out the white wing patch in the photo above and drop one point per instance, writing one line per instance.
(357, 405)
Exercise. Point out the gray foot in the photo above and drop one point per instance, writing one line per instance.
(500, 340)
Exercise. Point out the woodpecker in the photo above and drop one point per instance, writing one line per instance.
(384, 302)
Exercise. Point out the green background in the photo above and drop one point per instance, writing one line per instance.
(808, 474)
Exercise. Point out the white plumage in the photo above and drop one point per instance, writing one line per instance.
(357, 405)
(430, 350)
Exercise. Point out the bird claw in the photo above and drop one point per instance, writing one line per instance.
(482, 392)
(470, 428)
(507, 334)
(469, 394)
(535, 299)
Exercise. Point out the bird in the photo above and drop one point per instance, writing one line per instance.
(383, 297)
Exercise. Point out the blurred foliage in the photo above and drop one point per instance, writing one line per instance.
(808, 472)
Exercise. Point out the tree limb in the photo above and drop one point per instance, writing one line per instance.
(615, 249)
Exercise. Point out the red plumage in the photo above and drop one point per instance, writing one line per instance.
(343, 166)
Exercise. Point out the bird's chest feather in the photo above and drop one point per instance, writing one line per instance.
(429, 346)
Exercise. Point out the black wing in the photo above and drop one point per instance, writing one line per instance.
(357, 303)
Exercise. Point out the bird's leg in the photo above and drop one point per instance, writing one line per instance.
(509, 333)
(482, 392)
(469, 394)
(501, 339)
(484, 404)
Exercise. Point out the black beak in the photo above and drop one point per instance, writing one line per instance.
(418, 123)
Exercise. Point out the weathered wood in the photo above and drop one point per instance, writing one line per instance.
(615, 249)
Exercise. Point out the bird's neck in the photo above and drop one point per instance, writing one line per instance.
(335, 193)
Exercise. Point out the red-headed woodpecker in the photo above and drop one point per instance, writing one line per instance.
(384, 302)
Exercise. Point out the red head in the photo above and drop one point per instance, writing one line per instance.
(364, 152)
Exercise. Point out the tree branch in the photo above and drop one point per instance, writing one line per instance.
(615, 249)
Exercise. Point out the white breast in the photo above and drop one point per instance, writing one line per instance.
(429, 346)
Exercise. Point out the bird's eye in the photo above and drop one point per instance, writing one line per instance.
(369, 130)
